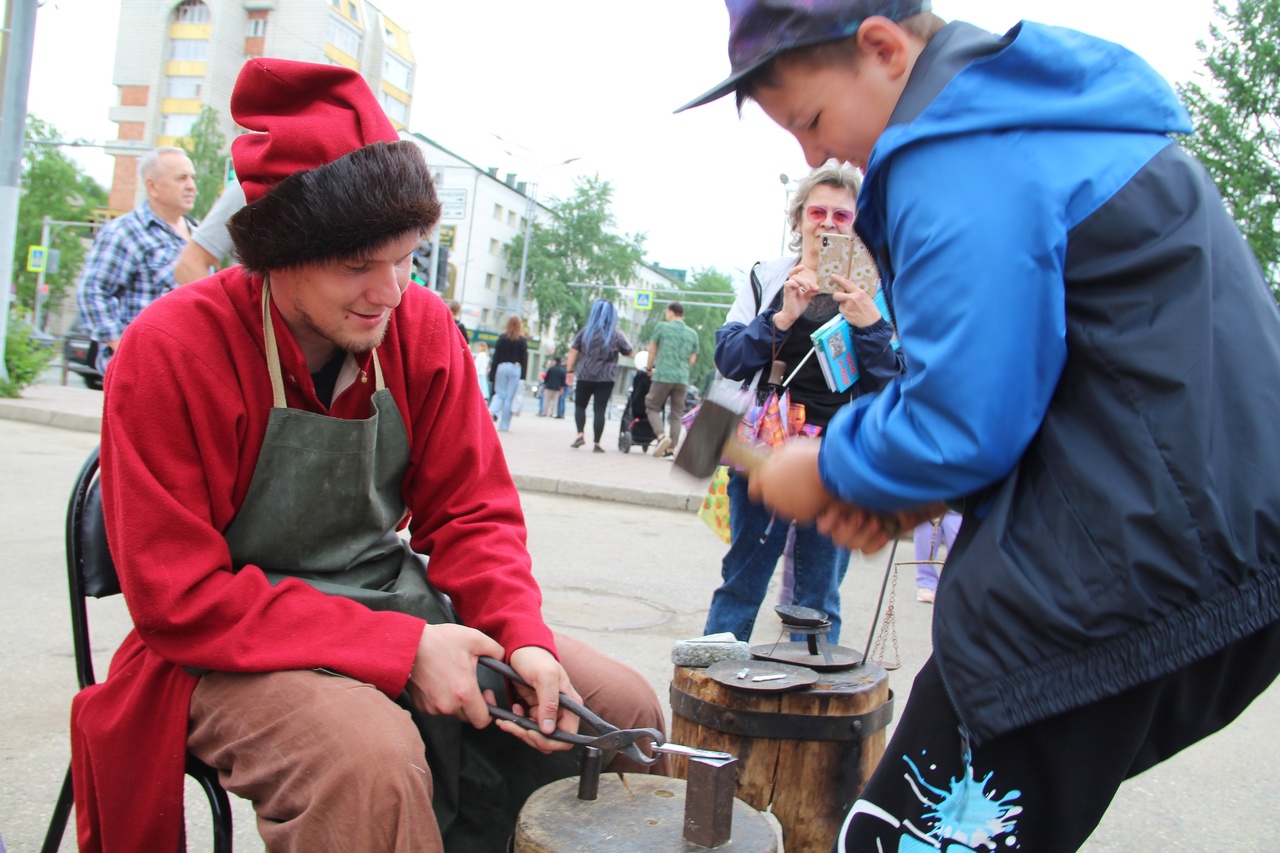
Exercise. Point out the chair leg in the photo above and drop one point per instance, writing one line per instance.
(219, 804)
(58, 823)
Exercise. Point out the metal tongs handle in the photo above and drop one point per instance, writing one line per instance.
(611, 737)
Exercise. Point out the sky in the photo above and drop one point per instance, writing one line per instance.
(523, 85)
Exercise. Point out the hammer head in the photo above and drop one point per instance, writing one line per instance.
(715, 426)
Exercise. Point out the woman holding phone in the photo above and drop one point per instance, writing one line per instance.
(770, 321)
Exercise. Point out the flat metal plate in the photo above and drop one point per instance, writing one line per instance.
(798, 655)
(793, 677)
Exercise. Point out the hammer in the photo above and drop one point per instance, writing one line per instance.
(713, 436)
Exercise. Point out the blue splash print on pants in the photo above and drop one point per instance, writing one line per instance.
(965, 813)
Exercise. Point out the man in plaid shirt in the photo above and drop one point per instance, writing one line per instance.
(131, 262)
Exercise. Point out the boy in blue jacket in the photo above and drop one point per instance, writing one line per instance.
(1092, 369)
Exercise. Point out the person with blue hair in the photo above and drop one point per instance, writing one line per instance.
(597, 345)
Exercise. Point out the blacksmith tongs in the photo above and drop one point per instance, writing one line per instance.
(610, 736)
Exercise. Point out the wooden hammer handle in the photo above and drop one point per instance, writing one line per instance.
(745, 456)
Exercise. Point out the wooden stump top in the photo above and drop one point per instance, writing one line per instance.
(632, 813)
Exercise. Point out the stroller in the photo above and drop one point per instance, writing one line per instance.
(635, 427)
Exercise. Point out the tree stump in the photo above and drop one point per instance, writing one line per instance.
(632, 813)
(806, 755)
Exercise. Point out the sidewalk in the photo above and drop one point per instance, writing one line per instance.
(537, 450)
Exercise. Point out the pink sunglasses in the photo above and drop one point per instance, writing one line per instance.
(840, 216)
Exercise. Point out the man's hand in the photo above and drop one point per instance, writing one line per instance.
(788, 482)
(443, 678)
(543, 672)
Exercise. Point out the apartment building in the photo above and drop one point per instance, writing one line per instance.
(173, 58)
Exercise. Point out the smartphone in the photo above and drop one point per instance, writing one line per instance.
(834, 258)
(848, 257)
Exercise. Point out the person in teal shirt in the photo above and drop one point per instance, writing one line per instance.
(672, 353)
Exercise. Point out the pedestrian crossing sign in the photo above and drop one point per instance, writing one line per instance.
(644, 299)
(36, 256)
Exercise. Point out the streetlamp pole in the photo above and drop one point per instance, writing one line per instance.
(530, 209)
(786, 198)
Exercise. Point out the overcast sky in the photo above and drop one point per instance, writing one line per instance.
(598, 80)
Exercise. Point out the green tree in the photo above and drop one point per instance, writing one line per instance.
(208, 146)
(56, 186)
(578, 245)
(1235, 115)
(703, 319)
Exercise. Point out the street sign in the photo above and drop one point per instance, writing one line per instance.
(644, 299)
(453, 202)
(447, 233)
(36, 258)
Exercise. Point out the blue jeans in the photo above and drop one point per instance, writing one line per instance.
(819, 567)
(506, 384)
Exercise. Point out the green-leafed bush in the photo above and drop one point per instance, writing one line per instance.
(25, 356)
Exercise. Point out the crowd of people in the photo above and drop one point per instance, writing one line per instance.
(1065, 386)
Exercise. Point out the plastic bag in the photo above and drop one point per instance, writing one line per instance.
(714, 511)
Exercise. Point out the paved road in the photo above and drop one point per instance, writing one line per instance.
(627, 577)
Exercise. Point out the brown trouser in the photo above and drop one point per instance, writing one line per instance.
(659, 394)
(333, 764)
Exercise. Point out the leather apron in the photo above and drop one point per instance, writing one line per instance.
(323, 506)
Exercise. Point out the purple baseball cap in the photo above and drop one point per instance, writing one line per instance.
(759, 30)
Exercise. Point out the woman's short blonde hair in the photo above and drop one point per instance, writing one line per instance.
(833, 173)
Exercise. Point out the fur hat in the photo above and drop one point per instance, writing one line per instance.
(325, 175)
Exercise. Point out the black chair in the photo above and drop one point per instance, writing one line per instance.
(91, 572)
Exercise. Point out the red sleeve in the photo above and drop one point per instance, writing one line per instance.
(186, 405)
(466, 514)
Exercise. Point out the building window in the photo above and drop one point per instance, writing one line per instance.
(511, 218)
(484, 317)
(184, 87)
(192, 12)
(178, 124)
(188, 50)
(343, 36)
(488, 281)
(495, 248)
(397, 73)
(504, 285)
(497, 212)
(256, 29)
(396, 110)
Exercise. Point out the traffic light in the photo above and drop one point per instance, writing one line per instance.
(421, 272)
(442, 270)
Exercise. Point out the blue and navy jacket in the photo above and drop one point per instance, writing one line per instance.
(1092, 365)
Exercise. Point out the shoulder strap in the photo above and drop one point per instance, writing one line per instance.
(756, 289)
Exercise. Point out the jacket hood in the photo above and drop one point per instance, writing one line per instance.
(970, 81)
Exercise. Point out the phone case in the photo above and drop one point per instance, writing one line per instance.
(833, 259)
(848, 257)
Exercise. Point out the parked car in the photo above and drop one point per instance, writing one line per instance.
(80, 353)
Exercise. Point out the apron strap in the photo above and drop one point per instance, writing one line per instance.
(273, 353)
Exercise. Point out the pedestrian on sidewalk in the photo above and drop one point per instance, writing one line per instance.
(552, 388)
(770, 321)
(672, 354)
(480, 355)
(507, 370)
(595, 351)
(131, 262)
(929, 538)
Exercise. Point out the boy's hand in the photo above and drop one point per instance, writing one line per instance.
(858, 308)
(540, 669)
(788, 482)
(860, 530)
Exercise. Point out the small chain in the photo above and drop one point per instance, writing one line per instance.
(888, 631)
